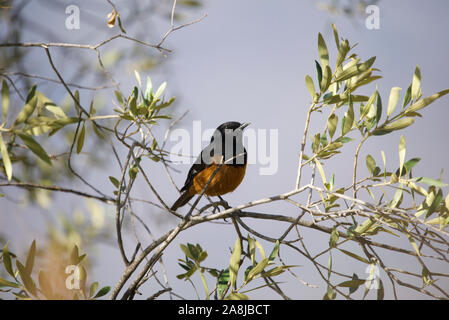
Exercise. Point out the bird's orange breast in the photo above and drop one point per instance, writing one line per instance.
(227, 179)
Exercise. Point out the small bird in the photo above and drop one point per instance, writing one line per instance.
(225, 148)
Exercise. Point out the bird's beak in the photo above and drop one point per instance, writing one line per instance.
(244, 125)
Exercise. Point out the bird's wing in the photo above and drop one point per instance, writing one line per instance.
(196, 168)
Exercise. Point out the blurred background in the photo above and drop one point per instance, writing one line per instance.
(246, 61)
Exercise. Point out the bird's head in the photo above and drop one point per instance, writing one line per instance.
(232, 128)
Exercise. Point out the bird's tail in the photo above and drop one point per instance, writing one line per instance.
(182, 200)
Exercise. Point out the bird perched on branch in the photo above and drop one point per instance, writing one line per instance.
(226, 152)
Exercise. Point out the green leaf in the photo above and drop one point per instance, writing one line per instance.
(261, 250)
(276, 271)
(7, 261)
(393, 100)
(149, 88)
(354, 70)
(384, 159)
(114, 181)
(435, 203)
(190, 3)
(133, 106)
(344, 139)
(334, 238)
(331, 99)
(310, 86)
(402, 150)
(368, 105)
(74, 255)
(43, 102)
(416, 188)
(26, 278)
(80, 141)
(188, 274)
(355, 256)
(330, 294)
(202, 256)
(21, 296)
(399, 124)
(319, 72)
(370, 164)
(133, 172)
(103, 291)
(237, 296)
(257, 269)
(164, 104)
(407, 97)
(431, 182)
(186, 268)
(28, 109)
(380, 291)
(5, 158)
(234, 263)
(326, 80)
(321, 171)
(366, 81)
(136, 73)
(247, 270)
(194, 250)
(35, 147)
(160, 90)
(342, 52)
(367, 64)
(30, 258)
(82, 277)
(348, 120)
(422, 103)
(414, 245)
(275, 251)
(252, 250)
(93, 289)
(352, 283)
(57, 111)
(322, 51)
(332, 123)
(378, 108)
(347, 73)
(213, 272)
(408, 166)
(397, 199)
(336, 38)
(6, 283)
(5, 99)
(187, 251)
(119, 97)
(354, 289)
(39, 125)
(331, 182)
(416, 83)
(359, 98)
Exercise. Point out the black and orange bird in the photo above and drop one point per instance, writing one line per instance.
(226, 150)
